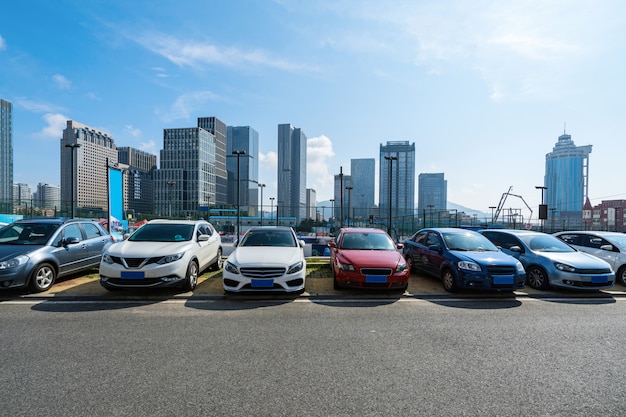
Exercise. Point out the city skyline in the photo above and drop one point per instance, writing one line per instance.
(483, 90)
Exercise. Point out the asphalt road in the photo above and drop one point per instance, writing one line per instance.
(314, 357)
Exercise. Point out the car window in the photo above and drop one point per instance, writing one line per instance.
(72, 230)
(432, 239)
(503, 240)
(366, 241)
(572, 239)
(546, 243)
(421, 238)
(594, 242)
(162, 232)
(92, 231)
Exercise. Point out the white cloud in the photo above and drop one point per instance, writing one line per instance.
(319, 177)
(55, 123)
(269, 160)
(62, 82)
(150, 147)
(187, 104)
(34, 106)
(133, 131)
(197, 54)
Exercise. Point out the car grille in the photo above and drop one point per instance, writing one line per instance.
(594, 271)
(262, 272)
(501, 270)
(134, 262)
(376, 271)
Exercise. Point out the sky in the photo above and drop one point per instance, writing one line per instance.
(483, 88)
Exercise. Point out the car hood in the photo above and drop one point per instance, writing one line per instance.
(372, 258)
(485, 257)
(129, 249)
(11, 251)
(576, 259)
(266, 256)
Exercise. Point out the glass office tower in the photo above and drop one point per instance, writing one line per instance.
(402, 180)
(432, 192)
(363, 173)
(291, 172)
(243, 138)
(566, 179)
(6, 157)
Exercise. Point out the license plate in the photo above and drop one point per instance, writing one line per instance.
(376, 279)
(600, 279)
(132, 275)
(262, 283)
(503, 280)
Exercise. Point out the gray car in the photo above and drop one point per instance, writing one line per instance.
(550, 262)
(35, 252)
(610, 246)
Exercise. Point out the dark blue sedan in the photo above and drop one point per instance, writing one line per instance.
(463, 259)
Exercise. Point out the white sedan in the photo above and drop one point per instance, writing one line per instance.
(162, 253)
(267, 258)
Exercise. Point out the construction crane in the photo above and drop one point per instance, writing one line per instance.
(496, 214)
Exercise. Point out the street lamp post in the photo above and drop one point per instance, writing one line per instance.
(271, 208)
(169, 196)
(349, 188)
(278, 203)
(332, 213)
(238, 154)
(543, 210)
(390, 159)
(261, 186)
(72, 146)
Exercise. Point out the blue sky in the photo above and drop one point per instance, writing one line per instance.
(483, 88)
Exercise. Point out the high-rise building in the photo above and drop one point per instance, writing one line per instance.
(6, 157)
(47, 197)
(185, 182)
(218, 129)
(363, 173)
(398, 159)
(138, 183)
(432, 192)
(566, 181)
(86, 153)
(246, 139)
(22, 195)
(291, 172)
(311, 209)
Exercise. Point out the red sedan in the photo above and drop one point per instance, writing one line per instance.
(367, 258)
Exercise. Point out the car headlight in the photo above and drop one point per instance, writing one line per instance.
(170, 258)
(520, 267)
(470, 266)
(346, 266)
(230, 267)
(14, 262)
(564, 267)
(401, 267)
(295, 267)
(107, 258)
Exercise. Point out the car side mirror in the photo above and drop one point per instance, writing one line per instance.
(302, 243)
(399, 245)
(70, 241)
(515, 248)
(607, 247)
(203, 238)
(332, 244)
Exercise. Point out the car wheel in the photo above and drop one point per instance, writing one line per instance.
(191, 280)
(537, 278)
(448, 280)
(43, 277)
(620, 277)
(217, 265)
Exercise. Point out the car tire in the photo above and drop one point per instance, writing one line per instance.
(42, 277)
(217, 265)
(448, 280)
(620, 277)
(537, 278)
(191, 278)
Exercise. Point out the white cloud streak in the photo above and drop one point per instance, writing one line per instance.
(62, 82)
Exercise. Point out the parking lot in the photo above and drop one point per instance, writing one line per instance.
(319, 282)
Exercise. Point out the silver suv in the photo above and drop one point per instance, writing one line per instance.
(35, 252)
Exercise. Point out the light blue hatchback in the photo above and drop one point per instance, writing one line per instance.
(550, 262)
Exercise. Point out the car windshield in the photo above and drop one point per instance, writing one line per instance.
(157, 232)
(268, 238)
(26, 234)
(469, 241)
(546, 243)
(366, 241)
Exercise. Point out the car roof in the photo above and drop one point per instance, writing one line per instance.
(515, 232)
(52, 220)
(591, 232)
(362, 230)
(269, 227)
(181, 221)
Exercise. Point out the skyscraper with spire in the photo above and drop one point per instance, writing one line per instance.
(566, 179)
